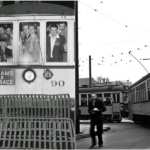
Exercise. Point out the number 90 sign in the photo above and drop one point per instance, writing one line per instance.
(60, 83)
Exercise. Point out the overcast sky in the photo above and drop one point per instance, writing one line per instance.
(110, 29)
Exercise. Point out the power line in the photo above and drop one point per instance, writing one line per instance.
(110, 61)
(115, 20)
(118, 42)
(121, 53)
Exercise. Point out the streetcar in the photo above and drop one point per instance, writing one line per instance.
(37, 65)
(139, 100)
(113, 97)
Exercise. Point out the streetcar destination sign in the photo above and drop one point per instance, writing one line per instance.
(7, 76)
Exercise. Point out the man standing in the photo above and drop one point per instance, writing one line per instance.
(34, 44)
(25, 37)
(25, 54)
(27, 34)
(96, 107)
(38, 31)
(9, 33)
(54, 45)
(62, 30)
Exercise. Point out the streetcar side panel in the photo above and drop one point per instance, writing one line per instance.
(108, 110)
(141, 108)
(56, 85)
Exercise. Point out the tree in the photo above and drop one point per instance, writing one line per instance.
(99, 79)
(104, 80)
(107, 79)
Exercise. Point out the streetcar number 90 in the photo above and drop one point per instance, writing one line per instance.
(60, 83)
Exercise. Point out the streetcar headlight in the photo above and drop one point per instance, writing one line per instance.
(29, 75)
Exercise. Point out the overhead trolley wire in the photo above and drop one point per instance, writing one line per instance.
(115, 20)
(119, 54)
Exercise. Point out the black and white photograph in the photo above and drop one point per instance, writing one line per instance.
(37, 74)
(113, 104)
(74, 74)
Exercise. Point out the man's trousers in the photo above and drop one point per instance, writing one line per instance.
(99, 125)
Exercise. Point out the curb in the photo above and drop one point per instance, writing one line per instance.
(86, 135)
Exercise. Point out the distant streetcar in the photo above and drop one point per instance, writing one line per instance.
(112, 97)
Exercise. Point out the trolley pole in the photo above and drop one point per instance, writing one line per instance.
(138, 61)
(90, 74)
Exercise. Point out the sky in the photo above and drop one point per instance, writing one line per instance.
(108, 31)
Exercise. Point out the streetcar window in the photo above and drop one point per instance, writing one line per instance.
(56, 42)
(89, 97)
(118, 98)
(125, 96)
(114, 98)
(148, 89)
(141, 92)
(107, 95)
(6, 42)
(29, 42)
(99, 96)
(133, 95)
(148, 94)
(107, 101)
(83, 99)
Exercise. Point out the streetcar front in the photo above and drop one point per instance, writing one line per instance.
(113, 99)
(37, 61)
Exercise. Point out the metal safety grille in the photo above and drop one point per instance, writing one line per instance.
(36, 121)
(30, 106)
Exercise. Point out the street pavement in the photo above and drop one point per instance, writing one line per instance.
(85, 127)
(124, 135)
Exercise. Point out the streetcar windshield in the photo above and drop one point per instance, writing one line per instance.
(42, 41)
(107, 101)
(56, 42)
(6, 42)
(29, 42)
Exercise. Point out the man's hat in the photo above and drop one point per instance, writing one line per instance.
(3, 39)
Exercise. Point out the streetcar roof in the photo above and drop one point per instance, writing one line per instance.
(102, 89)
(139, 81)
(36, 8)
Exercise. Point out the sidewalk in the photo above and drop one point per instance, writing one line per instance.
(84, 130)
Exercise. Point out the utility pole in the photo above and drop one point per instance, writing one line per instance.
(77, 118)
(90, 74)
